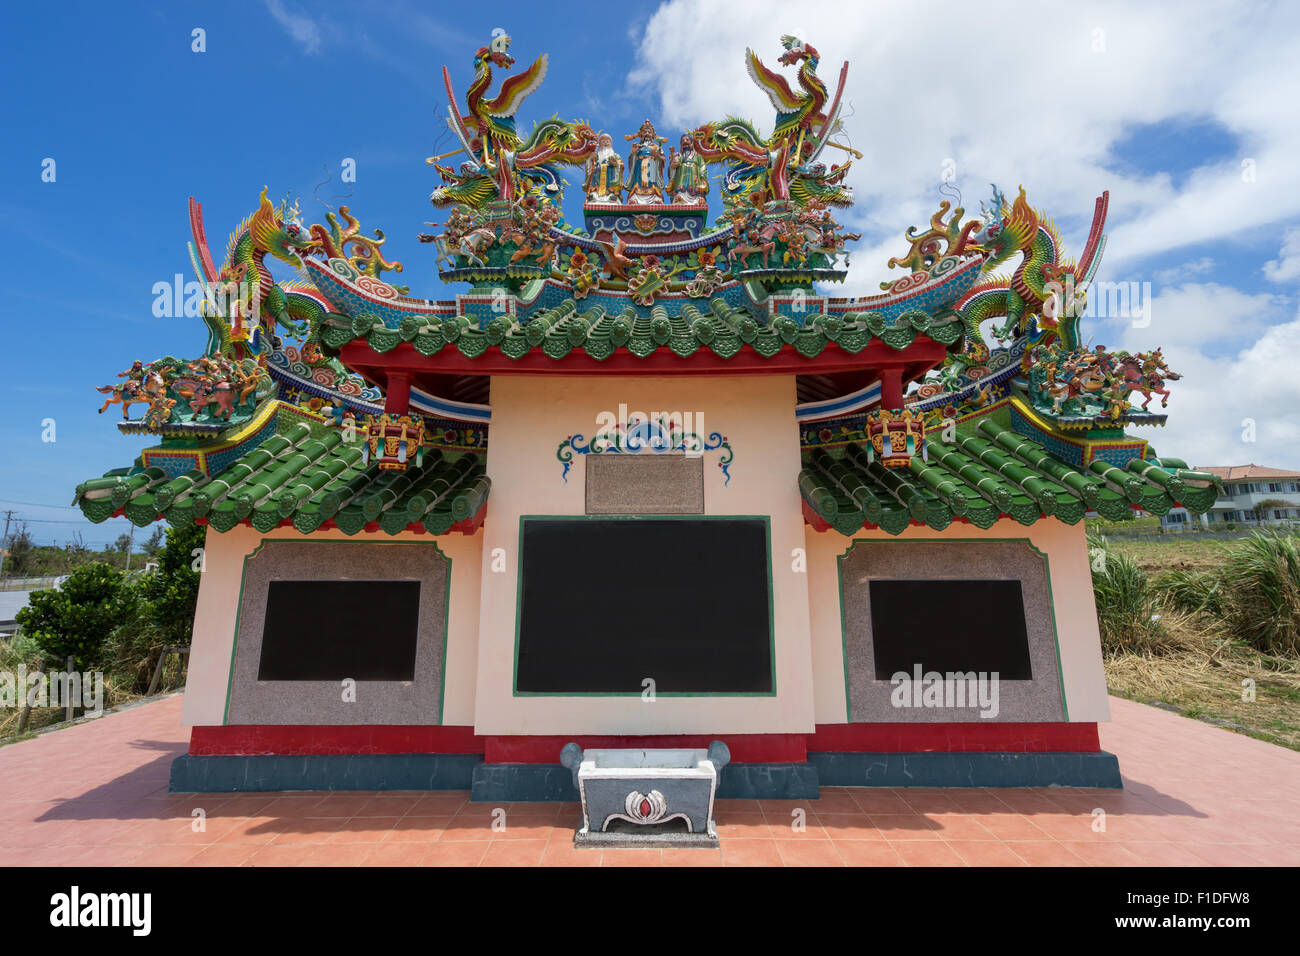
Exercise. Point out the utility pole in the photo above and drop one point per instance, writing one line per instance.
(129, 548)
(4, 542)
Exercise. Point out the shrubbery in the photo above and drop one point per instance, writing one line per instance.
(1191, 591)
(1125, 612)
(76, 619)
(111, 623)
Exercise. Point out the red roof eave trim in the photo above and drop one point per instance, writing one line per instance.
(924, 353)
(468, 526)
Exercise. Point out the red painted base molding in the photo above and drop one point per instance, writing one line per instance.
(309, 740)
(287, 739)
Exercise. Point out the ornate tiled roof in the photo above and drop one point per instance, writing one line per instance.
(304, 478)
(718, 327)
(983, 474)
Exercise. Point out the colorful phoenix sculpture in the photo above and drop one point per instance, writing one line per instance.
(502, 165)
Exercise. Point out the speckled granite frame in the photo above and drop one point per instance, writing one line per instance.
(419, 701)
(650, 484)
(1039, 699)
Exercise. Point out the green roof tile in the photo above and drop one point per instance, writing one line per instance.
(722, 329)
(304, 481)
(981, 477)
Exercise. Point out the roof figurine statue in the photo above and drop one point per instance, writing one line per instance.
(645, 166)
(688, 174)
(603, 182)
(784, 165)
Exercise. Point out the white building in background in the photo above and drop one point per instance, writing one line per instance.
(1245, 488)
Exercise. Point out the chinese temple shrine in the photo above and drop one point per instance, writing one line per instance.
(640, 481)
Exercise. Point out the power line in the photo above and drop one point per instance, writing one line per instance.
(32, 504)
(54, 521)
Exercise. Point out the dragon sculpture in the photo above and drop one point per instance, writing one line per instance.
(253, 303)
(1045, 288)
(1041, 303)
(1044, 296)
(242, 307)
(551, 143)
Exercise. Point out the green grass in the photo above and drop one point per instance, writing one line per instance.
(1174, 552)
(1132, 525)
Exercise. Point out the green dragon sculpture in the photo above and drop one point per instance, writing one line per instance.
(551, 143)
(246, 301)
(1045, 286)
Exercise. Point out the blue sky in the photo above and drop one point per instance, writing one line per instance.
(137, 122)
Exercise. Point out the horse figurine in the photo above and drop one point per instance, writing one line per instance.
(830, 244)
(749, 240)
(1087, 381)
(461, 238)
(219, 394)
(142, 391)
(1147, 374)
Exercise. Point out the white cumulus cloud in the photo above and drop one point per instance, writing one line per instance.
(1286, 267)
(1050, 95)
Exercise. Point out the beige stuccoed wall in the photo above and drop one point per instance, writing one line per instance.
(1083, 677)
(218, 606)
(531, 416)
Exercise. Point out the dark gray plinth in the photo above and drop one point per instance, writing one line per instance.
(769, 781)
(967, 769)
(524, 782)
(252, 774)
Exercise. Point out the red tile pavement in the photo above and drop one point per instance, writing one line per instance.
(96, 794)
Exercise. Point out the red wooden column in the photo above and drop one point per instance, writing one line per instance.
(397, 400)
(891, 388)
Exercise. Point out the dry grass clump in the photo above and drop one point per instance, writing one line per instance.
(1261, 592)
(1218, 644)
(1254, 594)
(122, 682)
